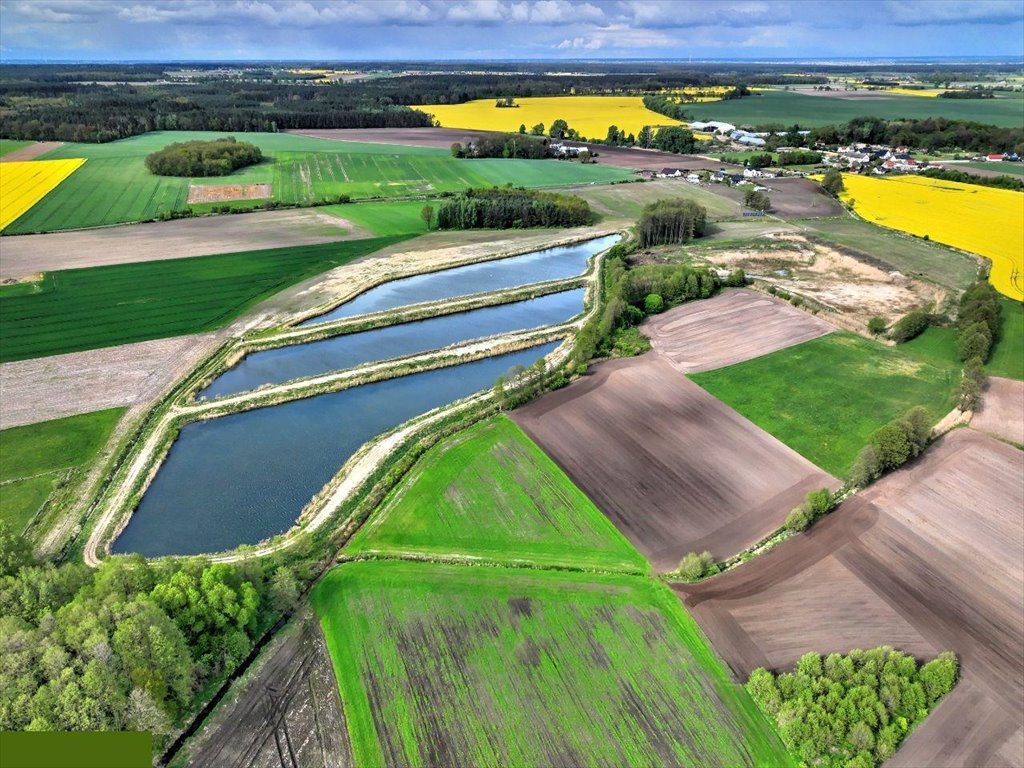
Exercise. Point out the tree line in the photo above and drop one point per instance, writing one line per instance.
(128, 645)
(203, 158)
(851, 711)
(512, 208)
(507, 145)
(1000, 182)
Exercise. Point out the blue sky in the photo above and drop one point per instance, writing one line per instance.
(506, 29)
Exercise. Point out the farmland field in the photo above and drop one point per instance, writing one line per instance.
(114, 186)
(1008, 355)
(590, 115)
(807, 111)
(10, 145)
(22, 185)
(36, 457)
(1008, 169)
(627, 200)
(982, 220)
(824, 398)
(390, 218)
(490, 493)
(77, 309)
(453, 665)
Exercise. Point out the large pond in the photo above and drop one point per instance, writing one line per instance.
(242, 478)
(317, 357)
(485, 277)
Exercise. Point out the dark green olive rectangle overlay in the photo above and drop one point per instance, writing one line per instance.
(76, 750)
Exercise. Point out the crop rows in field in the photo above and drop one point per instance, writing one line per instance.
(78, 309)
(490, 492)
(450, 665)
(24, 184)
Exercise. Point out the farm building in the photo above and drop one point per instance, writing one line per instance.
(666, 173)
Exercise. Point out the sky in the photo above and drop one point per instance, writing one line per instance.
(176, 30)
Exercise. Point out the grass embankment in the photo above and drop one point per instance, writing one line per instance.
(114, 186)
(38, 458)
(78, 309)
(398, 217)
(824, 398)
(493, 666)
(1008, 354)
(811, 111)
(491, 493)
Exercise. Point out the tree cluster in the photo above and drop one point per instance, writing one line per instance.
(671, 221)
(892, 446)
(203, 158)
(814, 505)
(697, 565)
(910, 326)
(757, 200)
(799, 157)
(969, 93)
(126, 646)
(977, 329)
(674, 139)
(512, 208)
(932, 134)
(833, 182)
(507, 145)
(851, 711)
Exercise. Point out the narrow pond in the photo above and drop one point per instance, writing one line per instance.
(318, 357)
(241, 478)
(485, 277)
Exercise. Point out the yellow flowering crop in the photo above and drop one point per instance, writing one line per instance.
(983, 220)
(590, 115)
(22, 185)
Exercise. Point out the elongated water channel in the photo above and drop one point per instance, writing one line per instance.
(318, 357)
(241, 478)
(485, 277)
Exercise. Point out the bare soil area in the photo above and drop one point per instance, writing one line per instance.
(930, 558)
(675, 469)
(853, 289)
(792, 197)
(27, 255)
(222, 193)
(1001, 412)
(31, 152)
(729, 328)
(286, 714)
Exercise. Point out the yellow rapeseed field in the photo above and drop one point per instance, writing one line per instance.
(982, 220)
(22, 185)
(590, 115)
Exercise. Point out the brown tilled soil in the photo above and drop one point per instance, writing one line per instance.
(792, 197)
(929, 559)
(27, 255)
(675, 469)
(31, 152)
(285, 715)
(1002, 410)
(222, 193)
(729, 328)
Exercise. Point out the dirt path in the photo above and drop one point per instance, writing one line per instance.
(901, 564)
(31, 152)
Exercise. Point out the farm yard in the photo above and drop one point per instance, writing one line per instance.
(115, 186)
(77, 309)
(489, 493)
(24, 184)
(982, 220)
(896, 566)
(824, 398)
(582, 656)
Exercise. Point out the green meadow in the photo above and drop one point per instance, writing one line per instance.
(489, 492)
(10, 145)
(1008, 355)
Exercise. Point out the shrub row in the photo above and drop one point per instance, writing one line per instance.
(892, 446)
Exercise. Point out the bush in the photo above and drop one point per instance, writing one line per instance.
(876, 326)
(695, 566)
(738, 278)
(833, 182)
(203, 158)
(799, 519)
(910, 326)
(902, 439)
(867, 467)
(653, 303)
(974, 341)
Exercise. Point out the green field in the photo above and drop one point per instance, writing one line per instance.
(9, 145)
(39, 456)
(457, 665)
(788, 108)
(824, 398)
(1007, 169)
(910, 255)
(76, 309)
(625, 201)
(114, 186)
(1008, 356)
(391, 218)
(490, 493)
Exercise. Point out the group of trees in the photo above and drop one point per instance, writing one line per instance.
(203, 158)
(932, 134)
(508, 145)
(910, 326)
(814, 505)
(674, 139)
(757, 200)
(125, 646)
(977, 326)
(969, 93)
(833, 182)
(851, 711)
(892, 446)
(671, 221)
(512, 208)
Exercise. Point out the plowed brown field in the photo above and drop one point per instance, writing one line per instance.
(931, 558)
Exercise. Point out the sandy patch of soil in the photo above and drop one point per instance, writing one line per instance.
(729, 328)
(25, 255)
(930, 558)
(31, 152)
(1001, 412)
(222, 193)
(675, 469)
